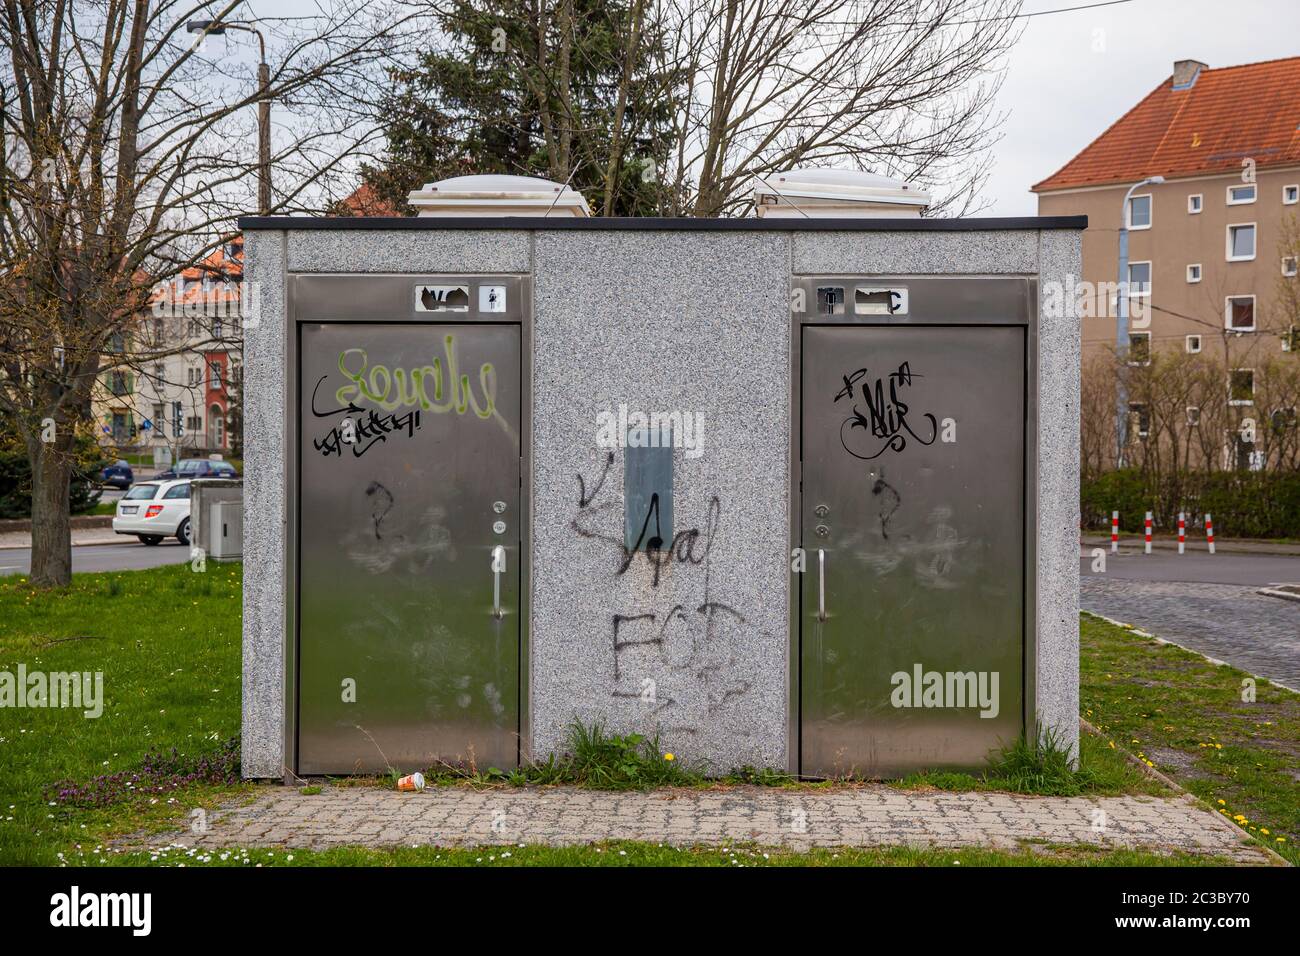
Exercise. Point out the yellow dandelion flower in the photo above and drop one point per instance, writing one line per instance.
(1264, 830)
(1222, 803)
(669, 757)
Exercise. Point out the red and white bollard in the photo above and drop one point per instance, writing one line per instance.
(1114, 532)
(1148, 533)
(1209, 532)
(1182, 533)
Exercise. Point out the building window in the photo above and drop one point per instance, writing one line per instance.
(1139, 212)
(1291, 339)
(1194, 272)
(216, 426)
(1283, 418)
(1139, 348)
(1291, 194)
(1239, 313)
(1195, 203)
(1193, 344)
(1241, 195)
(194, 424)
(1139, 420)
(1139, 279)
(1241, 242)
(118, 383)
(159, 375)
(214, 378)
(1289, 266)
(1241, 386)
(1193, 415)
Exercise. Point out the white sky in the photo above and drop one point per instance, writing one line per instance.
(1073, 74)
(1061, 93)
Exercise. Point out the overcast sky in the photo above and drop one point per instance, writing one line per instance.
(1073, 74)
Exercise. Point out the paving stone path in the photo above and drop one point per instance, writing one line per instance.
(1257, 633)
(869, 815)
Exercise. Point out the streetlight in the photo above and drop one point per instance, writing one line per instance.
(218, 28)
(1121, 319)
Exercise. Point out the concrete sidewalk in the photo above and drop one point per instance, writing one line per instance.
(80, 538)
(866, 815)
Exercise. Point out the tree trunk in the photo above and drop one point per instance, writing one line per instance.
(51, 524)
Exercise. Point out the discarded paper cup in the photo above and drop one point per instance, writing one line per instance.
(412, 781)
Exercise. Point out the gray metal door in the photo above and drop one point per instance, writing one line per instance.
(408, 614)
(912, 521)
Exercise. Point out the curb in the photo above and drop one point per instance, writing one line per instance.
(1189, 797)
(96, 543)
(11, 525)
(1155, 774)
(1134, 629)
(1277, 593)
(1221, 545)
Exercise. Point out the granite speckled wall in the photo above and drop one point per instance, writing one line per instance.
(660, 321)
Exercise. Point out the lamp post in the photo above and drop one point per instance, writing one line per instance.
(218, 28)
(1121, 320)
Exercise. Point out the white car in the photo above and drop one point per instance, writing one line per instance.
(153, 510)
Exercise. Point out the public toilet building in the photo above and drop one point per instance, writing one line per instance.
(795, 491)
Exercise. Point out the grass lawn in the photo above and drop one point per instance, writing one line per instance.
(631, 853)
(1188, 719)
(167, 642)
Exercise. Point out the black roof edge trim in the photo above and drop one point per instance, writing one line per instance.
(652, 224)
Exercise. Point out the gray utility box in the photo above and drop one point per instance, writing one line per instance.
(795, 493)
(226, 541)
(210, 529)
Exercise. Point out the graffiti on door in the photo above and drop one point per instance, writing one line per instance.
(885, 419)
(439, 387)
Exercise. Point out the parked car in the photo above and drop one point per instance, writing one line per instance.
(153, 510)
(119, 474)
(199, 468)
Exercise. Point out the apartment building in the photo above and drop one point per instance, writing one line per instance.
(171, 381)
(1207, 247)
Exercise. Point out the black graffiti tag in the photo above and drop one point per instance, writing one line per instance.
(886, 416)
(367, 432)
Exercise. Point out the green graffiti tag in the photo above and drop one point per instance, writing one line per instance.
(398, 387)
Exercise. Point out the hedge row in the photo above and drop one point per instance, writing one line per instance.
(1243, 504)
(16, 483)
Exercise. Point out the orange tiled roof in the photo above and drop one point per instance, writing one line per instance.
(1227, 115)
(364, 201)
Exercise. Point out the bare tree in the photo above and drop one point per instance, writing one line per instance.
(129, 154)
(902, 87)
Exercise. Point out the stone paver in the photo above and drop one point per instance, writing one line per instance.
(870, 815)
(1257, 633)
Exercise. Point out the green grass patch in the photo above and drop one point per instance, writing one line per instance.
(1102, 771)
(167, 642)
(631, 853)
(1197, 723)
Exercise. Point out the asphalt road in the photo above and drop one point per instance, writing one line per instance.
(1195, 567)
(127, 556)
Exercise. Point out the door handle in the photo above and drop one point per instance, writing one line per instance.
(498, 566)
(821, 585)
